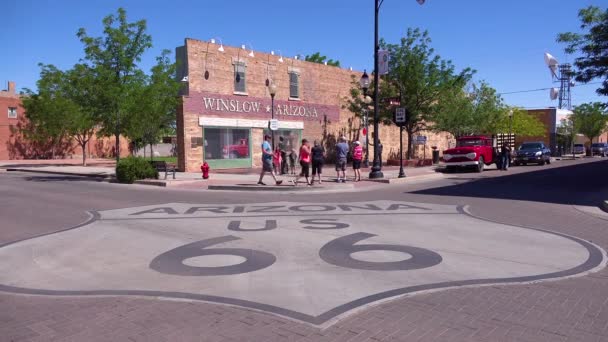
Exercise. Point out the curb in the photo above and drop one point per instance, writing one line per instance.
(604, 206)
(104, 176)
(255, 187)
(166, 183)
(405, 179)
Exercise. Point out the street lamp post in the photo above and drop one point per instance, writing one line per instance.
(510, 135)
(377, 168)
(272, 88)
(376, 171)
(364, 83)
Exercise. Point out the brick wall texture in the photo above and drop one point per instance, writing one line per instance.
(323, 90)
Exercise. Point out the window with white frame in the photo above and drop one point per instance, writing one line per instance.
(12, 112)
(294, 85)
(240, 85)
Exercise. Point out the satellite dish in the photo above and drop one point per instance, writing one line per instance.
(552, 63)
(553, 93)
(550, 60)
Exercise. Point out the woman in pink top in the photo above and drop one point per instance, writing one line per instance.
(357, 157)
(304, 162)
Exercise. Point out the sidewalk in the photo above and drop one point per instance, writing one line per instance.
(239, 179)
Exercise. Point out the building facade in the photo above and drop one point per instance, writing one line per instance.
(11, 112)
(227, 106)
(551, 119)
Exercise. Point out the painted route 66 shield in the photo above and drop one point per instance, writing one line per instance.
(311, 262)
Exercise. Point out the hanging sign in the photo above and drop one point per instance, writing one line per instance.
(383, 62)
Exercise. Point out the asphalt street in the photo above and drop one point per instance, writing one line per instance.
(516, 255)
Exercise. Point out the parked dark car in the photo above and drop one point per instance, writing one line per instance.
(532, 152)
(600, 149)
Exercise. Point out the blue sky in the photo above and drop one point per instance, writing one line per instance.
(503, 40)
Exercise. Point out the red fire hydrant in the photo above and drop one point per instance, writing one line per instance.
(205, 169)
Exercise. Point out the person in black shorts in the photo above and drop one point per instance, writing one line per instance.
(318, 157)
(304, 162)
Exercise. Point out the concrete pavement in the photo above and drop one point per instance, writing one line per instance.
(571, 309)
(297, 264)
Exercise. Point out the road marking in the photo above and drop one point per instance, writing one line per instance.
(307, 261)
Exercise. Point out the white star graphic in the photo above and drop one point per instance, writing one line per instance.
(268, 108)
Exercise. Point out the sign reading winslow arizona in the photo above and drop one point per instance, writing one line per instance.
(210, 103)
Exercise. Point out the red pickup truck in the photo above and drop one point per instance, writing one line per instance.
(471, 152)
(237, 151)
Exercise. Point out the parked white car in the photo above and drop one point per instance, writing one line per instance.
(579, 150)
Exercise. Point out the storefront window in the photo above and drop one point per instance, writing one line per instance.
(226, 143)
(291, 138)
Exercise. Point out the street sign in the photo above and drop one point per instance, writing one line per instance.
(400, 117)
(273, 124)
(421, 140)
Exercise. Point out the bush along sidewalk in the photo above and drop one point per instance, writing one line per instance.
(131, 169)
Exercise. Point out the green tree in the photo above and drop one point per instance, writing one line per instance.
(590, 119)
(153, 111)
(64, 107)
(521, 123)
(592, 45)
(81, 88)
(317, 58)
(48, 110)
(421, 79)
(566, 133)
(114, 57)
(477, 111)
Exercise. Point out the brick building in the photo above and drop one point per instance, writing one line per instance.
(11, 112)
(551, 118)
(226, 106)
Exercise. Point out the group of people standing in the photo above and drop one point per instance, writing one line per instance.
(275, 162)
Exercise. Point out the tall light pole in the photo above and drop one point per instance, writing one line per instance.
(510, 126)
(364, 83)
(272, 88)
(376, 171)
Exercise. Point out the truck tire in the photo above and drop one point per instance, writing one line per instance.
(549, 161)
(542, 162)
(234, 155)
(481, 165)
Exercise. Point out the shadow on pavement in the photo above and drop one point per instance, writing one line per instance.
(63, 178)
(581, 184)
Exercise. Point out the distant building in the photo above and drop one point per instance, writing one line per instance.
(551, 118)
(11, 112)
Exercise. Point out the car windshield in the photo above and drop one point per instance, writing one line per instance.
(599, 145)
(578, 145)
(530, 147)
(469, 142)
